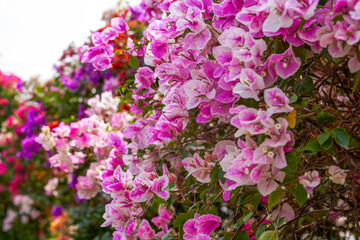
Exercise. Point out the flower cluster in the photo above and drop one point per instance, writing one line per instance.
(74, 140)
(73, 75)
(221, 73)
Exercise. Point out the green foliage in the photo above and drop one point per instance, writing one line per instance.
(134, 62)
(275, 197)
(341, 137)
(324, 118)
(305, 87)
(300, 194)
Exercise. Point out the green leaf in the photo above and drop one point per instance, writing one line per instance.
(182, 218)
(322, 138)
(119, 52)
(260, 230)
(357, 51)
(268, 235)
(292, 163)
(185, 153)
(171, 186)
(305, 87)
(324, 118)
(275, 197)
(293, 98)
(246, 218)
(322, 189)
(341, 137)
(241, 236)
(195, 205)
(166, 236)
(227, 236)
(221, 174)
(299, 193)
(311, 148)
(302, 23)
(214, 174)
(202, 194)
(327, 145)
(253, 200)
(356, 81)
(134, 62)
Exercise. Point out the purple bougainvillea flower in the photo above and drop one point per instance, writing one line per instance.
(56, 210)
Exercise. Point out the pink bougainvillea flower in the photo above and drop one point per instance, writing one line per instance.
(197, 40)
(118, 183)
(354, 64)
(198, 168)
(163, 219)
(276, 99)
(250, 84)
(305, 8)
(119, 25)
(201, 225)
(267, 183)
(250, 120)
(197, 91)
(348, 34)
(267, 154)
(356, 13)
(158, 185)
(144, 78)
(326, 36)
(145, 232)
(87, 187)
(279, 136)
(164, 131)
(278, 17)
(3, 168)
(193, 20)
(337, 175)
(284, 211)
(224, 147)
(232, 37)
(285, 64)
(117, 214)
(310, 180)
(142, 189)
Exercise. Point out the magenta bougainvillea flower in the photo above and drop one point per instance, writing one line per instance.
(200, 227)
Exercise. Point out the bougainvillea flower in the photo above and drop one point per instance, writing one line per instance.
(285, 64)
(204, 224)
(310, 180)
(250, 84)
(119, 25)
(284, 211)
(145, 232)
(337, 175)
(276, 99)
(198, 168)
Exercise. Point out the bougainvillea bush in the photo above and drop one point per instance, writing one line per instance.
(245, 121)
(23, 211)
(201, 119)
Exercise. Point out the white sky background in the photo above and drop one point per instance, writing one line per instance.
(34, 33)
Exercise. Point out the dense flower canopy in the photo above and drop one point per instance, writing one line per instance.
(201, 119)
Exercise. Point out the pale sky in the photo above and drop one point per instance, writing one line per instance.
(34, 33)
